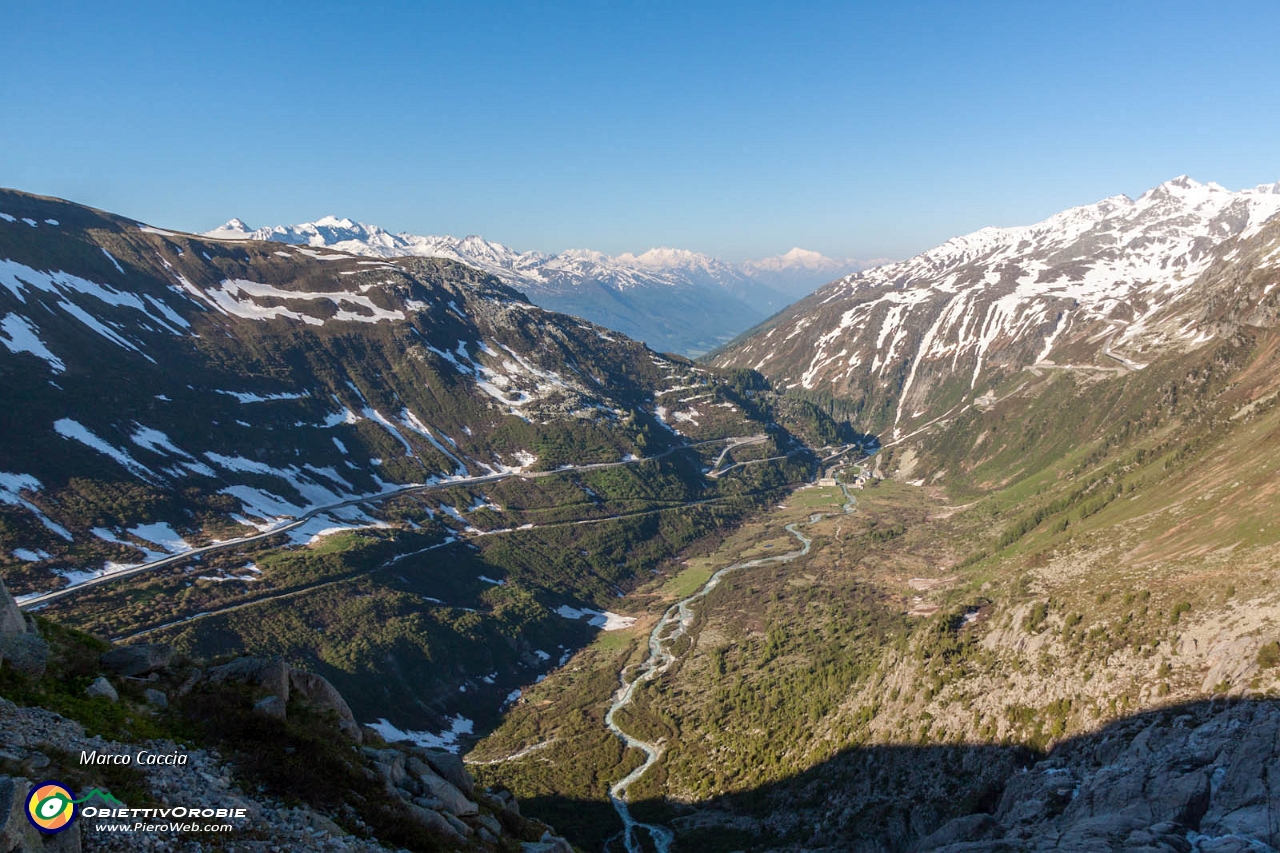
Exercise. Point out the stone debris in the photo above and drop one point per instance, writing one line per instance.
(102, 689)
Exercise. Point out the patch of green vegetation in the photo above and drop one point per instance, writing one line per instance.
(689, 579)
(72, 665)
(1178, 609)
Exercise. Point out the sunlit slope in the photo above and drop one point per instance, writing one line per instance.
(1089, 545)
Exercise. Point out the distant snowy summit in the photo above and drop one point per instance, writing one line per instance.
(662, 265)
(674, 299)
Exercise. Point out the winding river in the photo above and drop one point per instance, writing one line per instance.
(673, 625)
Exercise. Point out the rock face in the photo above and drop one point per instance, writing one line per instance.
(278, 682)
(316, 691)
(134, 661)
(1201, 778)
(26, 653)
(17, 835)
(451, 767)
(11, 619)
(20, 643)
(269, 675)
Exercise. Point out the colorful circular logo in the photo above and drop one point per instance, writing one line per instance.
(51, 807)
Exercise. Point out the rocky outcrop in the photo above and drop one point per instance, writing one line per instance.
(136, 661)
(26, 653)
(1201, 778)
(475, 819)
(20, 644)
(11, 618)
(269, 675)
(316, 692)
(427, 791)
(451, 767)
(277, 683)
(442, 797)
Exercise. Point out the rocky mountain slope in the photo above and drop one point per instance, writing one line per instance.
(1112, 284)
(178, 390)
(674, 300)
(399, 474)
(274, 747)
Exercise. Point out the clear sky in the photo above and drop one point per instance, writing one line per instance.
(736, 129)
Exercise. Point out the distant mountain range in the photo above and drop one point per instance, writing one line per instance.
(1110, 285)
(673, 299)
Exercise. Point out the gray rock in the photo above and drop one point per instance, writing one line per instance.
(317, 692)
(454, 800)
(489, 822)
(11, 619)
(458, 826)
(967, 828)
(67, 841)
(451, 767)
(1226, 844)
(102, 689)
(1203, 780)
(269, 675)
(391, 764)
(156, 698)
(16, 832)
(271, 706)
(26, 653)
(547, 844)
(320, 823)
(133, 661)
(435, 822)
(510, 804)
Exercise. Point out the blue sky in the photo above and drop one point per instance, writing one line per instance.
(737, 129)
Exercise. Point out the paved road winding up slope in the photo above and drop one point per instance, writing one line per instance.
(673, 625)
(46, 598)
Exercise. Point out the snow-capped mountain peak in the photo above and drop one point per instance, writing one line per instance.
(805, 259)
(674, 298)
(232, 229)
(1110, 283)
(334, 222)
(664, 257)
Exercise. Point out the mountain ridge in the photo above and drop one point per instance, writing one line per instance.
(675, 299)
(1105, 284)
